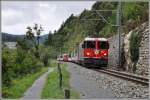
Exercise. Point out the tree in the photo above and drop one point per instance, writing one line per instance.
(32, 31)
(30, 34)
(49, 39)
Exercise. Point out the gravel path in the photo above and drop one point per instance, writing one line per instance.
(87, 88)
(34, 92)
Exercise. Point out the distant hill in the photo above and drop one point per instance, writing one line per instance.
(43, 38)
(13, 38)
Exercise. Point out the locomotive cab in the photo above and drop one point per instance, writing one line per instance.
(94, 51)
(65, 57)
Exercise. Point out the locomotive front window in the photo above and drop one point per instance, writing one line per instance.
(103, 45)
(89, 44)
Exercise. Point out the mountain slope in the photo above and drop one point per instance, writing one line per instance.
(74, 29)
(13, 38)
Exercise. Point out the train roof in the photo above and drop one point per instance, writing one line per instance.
(93, 39)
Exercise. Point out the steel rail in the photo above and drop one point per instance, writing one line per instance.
(130, 77)
(127, 76)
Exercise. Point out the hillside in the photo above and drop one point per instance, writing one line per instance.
(74, 29)
(13, 38)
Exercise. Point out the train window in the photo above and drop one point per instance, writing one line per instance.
(103, 45)
(88, 44)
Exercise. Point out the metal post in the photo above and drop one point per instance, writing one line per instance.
(119, 32)
(149, 47)
(60, 51)
(60, 75)
(38, 39)
(77, 50)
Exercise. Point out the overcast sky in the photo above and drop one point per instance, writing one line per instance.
(16, 16)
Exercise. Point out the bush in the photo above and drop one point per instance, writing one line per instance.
(8, 60)
(38, 66)
(135, 40)
(45, 54)
(18, 63)
(6, 92)
(20, 55)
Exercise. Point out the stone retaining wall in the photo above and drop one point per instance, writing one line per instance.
(143, 64)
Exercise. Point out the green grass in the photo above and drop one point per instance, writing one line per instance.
(19, 86)
(52, 89)
(52, 63)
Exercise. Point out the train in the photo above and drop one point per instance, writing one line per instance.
(91, 51)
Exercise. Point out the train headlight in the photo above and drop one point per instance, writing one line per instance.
(88, 53)
(105, 54)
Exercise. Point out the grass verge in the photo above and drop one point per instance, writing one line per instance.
(21, 85)
(52, 89)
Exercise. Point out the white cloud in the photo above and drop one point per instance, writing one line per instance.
(17, 15)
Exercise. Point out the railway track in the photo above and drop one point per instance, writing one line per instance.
(128, 76)
(131, 77)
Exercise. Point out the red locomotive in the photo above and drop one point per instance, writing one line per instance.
(65, 57)
(93, 51)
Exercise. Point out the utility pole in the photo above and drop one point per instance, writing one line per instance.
(60, 51)
(77, 45)
(119, 25)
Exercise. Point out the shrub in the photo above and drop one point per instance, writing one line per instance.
(7, 66)
(135, 40)
(20, 55)
(45, 54)
(6, 92)
(18, 63)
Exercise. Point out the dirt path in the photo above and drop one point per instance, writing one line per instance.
(34, 92)
(87, 88)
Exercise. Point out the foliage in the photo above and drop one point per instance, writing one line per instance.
(17, 65)
(30, 35)
(23, 60)
(8, 60)
(45, 53)
(135, 11)
(49, 39)
(134, 14)
(135, 40)
(74, 29)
